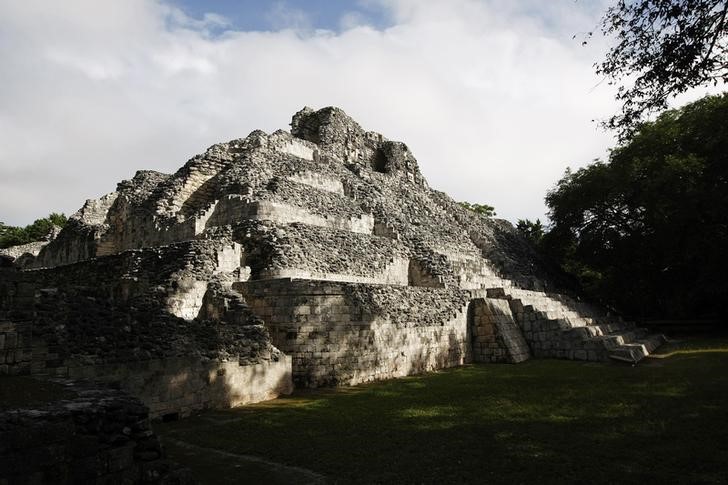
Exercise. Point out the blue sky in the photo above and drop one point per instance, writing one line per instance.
(272, 15)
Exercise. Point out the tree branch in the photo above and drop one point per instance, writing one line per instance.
(716, 36)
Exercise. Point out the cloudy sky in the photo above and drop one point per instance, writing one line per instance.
(494, 97)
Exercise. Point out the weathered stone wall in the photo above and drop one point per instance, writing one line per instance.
(340, 333)
(131, 318)
(398, 271)
(237, 208)
(31, 248)
(96, 435)
(472, 272)
(300, 250)
(173, 385)
(337, 134)
(16, 350)
(76, 242)
(319, 181)
(95, 212)
(418, 274)
(179, 386)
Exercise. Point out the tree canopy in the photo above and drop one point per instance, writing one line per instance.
(663, 48)
(37, 231)
(482, 209)
(647, 230)
(533, 231)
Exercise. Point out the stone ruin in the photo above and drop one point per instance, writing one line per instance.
(315, 257)
(82, 433)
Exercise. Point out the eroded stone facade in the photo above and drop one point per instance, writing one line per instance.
(321, 250)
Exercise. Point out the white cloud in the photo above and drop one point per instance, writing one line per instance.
(282, 16)
(494, 97)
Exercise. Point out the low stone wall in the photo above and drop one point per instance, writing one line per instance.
(181, 386)
(335, 339)
(299, 149)
(167, 386)
(96, 435)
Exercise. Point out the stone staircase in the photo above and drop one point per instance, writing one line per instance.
(558, 326)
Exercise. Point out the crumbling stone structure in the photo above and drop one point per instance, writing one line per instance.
(162, 321)
(319, 253)
(85, 434)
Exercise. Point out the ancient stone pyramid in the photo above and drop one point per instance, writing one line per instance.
(321, 253)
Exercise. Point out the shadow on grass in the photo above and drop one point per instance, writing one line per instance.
(544, 420)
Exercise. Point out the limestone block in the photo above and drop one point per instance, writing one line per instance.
(186, 301)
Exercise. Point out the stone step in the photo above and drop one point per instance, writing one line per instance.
(590, 329)
(545, 308)
(551, 305)
(593, 331)
(638, 350)
(581, 321)
(616, 340)
(631, 353)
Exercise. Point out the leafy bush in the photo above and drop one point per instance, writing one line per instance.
(13, 236)
(482, 209)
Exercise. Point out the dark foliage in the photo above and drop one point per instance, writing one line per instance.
(648, 230)
(39, 230)
(534, 231)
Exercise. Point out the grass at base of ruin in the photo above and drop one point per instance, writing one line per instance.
(546, 421)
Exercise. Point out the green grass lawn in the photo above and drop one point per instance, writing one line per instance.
(543, 421)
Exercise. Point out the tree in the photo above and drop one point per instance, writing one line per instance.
(665, 47)
(533, 231)
(647, 230)
(39, 230)
(482, 209)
